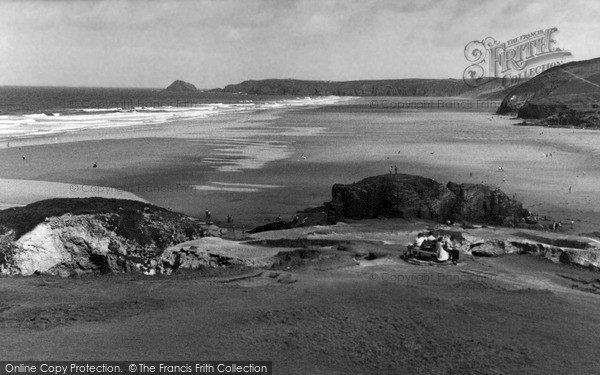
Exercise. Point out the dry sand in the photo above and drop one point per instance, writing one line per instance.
(517, 314)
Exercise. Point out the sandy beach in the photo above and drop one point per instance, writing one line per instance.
(258, 165)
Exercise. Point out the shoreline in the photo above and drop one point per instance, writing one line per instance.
(269, 163)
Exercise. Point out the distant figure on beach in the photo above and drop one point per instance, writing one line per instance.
(229, 219)
(391, 170)
(569, 189)
(95, 165)
(471, 174)
(278, 218)
(395, 169)
(302, 156)
(207, 214)
(23, 157)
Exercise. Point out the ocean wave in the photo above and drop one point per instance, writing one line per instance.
(36, 124)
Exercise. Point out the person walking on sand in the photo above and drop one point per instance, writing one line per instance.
(207, 214)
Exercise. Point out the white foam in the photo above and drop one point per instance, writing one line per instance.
(93, 118)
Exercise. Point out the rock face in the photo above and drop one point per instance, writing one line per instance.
(68, 236)
(568, 94)
(588, 256)
(406, 196)
(179, 86)
(396, 87)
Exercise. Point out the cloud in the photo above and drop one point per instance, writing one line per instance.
(213, 43)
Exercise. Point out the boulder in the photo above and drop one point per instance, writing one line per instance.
(72, 236)
(416, 197)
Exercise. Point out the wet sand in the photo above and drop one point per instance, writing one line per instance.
(258, 165)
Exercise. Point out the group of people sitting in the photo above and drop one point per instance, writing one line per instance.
(428, 247)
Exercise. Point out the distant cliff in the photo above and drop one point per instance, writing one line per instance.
(494, 89)
(395, 87)
(568, 94)
(179, 86)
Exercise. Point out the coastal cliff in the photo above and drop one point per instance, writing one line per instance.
(568, 94)
(393, 87)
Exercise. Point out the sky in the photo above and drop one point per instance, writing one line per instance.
(212, 43)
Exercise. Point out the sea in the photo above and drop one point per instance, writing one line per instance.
(27, 112)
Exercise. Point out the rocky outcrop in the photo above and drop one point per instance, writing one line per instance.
(179, 86)
(70, 236)
(588, 257)
(568, 94)
(395, 87)
(214, 252)
(407, 196)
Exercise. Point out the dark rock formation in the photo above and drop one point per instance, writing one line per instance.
(179, 86)
(564, 95)
(68, 236)
(395, 195)
(406, 196)
(396, 87)
(411, 197)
